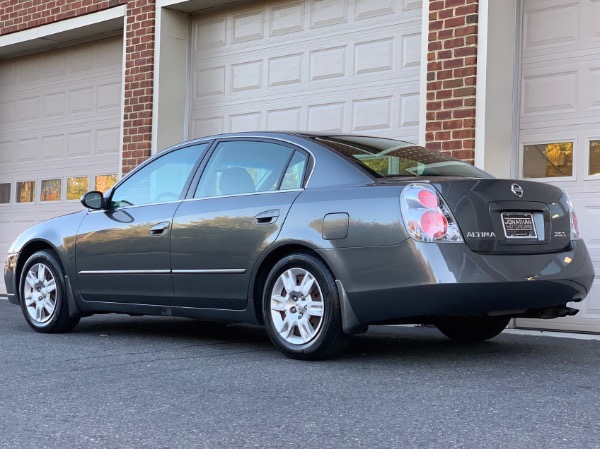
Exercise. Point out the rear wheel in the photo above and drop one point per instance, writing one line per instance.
(472, 328)
(301, 307)
(43, 294)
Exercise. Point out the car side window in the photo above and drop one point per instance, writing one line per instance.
(160, 181)
(294, 175)
(238, 167)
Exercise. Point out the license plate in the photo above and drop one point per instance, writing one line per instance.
(518, 225)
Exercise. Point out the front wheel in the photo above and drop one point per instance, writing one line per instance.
(472, 328)
(301, 308)
(43, 294)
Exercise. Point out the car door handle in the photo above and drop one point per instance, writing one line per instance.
(266, 217)
(160, 228)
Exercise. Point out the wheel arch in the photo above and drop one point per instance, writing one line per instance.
(265, 265)
(26, 252)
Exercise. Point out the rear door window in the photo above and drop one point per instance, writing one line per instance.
(242, 167)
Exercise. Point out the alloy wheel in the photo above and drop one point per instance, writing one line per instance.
(40, 293)
(297, 306)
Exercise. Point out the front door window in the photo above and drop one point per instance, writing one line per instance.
(160, 181)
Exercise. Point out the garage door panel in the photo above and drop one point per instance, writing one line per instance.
(561, 93)
(394, 114)
(59, 122)
(285, 71)
(246, 27)
(592, 305)
(276, 20)
(555, 26)
(79, 140)
(560, 102)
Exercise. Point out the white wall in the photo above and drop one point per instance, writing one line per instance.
(499, 27)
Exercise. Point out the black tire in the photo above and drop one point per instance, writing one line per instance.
(471, 329)
(329, 338)
(59, 320)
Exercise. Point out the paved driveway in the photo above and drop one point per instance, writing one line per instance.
(163, 382)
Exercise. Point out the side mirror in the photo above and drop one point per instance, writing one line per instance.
(93, 200)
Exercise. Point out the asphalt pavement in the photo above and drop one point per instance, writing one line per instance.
(146, 382)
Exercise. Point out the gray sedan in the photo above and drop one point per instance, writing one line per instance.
(316, 236)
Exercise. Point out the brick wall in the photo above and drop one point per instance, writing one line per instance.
(19, 15)
(451, 76)
(139, 75)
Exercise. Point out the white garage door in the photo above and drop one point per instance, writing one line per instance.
(335, 65)
(560, 121)
(60, 121)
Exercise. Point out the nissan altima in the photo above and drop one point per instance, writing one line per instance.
(316, 236)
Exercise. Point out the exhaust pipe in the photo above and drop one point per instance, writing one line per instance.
(557, 312)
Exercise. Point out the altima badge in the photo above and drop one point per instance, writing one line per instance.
(517, 190)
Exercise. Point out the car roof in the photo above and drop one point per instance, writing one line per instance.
(285, 133)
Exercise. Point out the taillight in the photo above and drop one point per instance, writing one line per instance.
(573, 217)
(426, 215)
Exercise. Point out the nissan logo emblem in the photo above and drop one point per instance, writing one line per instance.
(517, 190)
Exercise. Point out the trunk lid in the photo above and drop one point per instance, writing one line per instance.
(508, 216)
(503, 215)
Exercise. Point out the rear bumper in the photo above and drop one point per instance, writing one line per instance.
(420, 280)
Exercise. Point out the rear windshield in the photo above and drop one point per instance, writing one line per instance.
(389, 158)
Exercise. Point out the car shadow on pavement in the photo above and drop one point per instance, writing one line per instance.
(380, 342)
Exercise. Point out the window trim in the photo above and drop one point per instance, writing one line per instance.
(10, 196)
(95, 175)
(66, 181)
(542, 141)
(39, 188)
(586, 164)
(268, 192)
(35, 191)
(309, 165)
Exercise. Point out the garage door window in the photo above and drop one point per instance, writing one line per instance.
(104, 182)
(51, 189)
(594, 166)
(25, 192)
(548, 160)
(77, 187)
(5, 193)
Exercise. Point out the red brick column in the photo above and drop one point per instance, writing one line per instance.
(451, 77)
(139, 76)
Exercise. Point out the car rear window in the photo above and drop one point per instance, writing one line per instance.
(390, 158)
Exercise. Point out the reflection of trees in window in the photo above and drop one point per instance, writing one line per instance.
(50, 190)
(5, 193)
(548, 160)
(105, 182)
(25, 192)
(594, 157)
(560, 159)
(294, 175)
(77, 187)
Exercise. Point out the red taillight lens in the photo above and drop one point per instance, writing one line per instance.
(574, 222)
(434, 224)
(426, 216)
(428, 199)
(575, 225)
